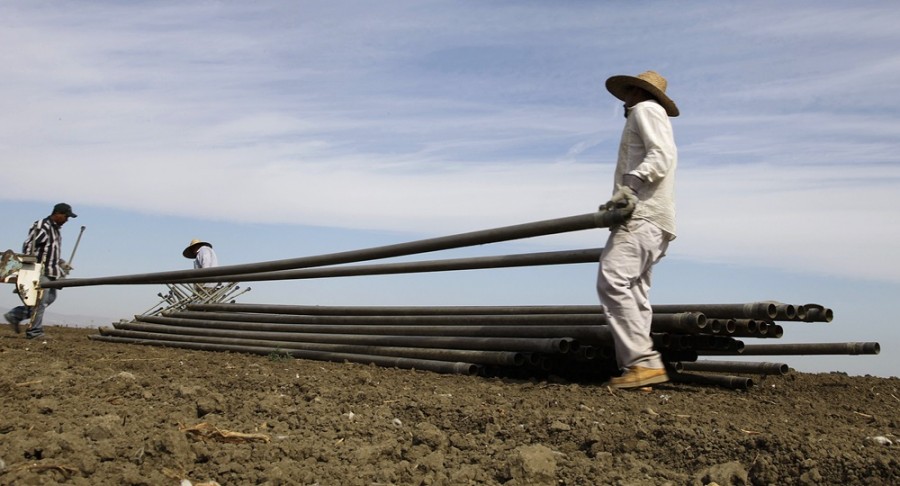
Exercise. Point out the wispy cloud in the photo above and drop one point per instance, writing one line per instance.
(439, 117)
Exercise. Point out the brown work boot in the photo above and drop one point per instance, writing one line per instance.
(638, 376)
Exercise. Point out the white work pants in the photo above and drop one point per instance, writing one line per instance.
(623, 284)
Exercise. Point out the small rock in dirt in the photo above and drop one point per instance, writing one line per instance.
(434, 461)
(209, 404)
(878, 440)
(463, 442)
(558, 426)
(103, 427)
(534, 465)
(173, 443)
(186, 391)
(813, 476)
(763, 472)
(726, 474)
(430, 435)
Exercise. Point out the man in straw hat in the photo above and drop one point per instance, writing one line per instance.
(202, 253)
(644, 181)
(204, 257)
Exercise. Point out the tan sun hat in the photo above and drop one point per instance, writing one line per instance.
(191, 250)
(650, 81)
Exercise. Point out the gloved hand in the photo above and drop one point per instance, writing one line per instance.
(624, 199)
(65, 267)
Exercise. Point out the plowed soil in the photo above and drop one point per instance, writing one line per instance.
(82, 412)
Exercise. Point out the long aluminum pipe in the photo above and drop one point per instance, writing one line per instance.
(721, 326)
(725, 381)
(751, 310)
(386, 361)
(495, 358)
(817, 313)
(598, 219)
(523, 345)
(761, 311)
(850, 348)
(473, 263)
(588, 333)
(696, 341)
(775, 331)
(747, 328)
(686, 322)
(398, 310)
(761, 368)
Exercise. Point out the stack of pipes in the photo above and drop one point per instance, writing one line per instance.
(563, 340)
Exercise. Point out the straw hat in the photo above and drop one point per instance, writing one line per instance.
(191, 250)
(650, 81)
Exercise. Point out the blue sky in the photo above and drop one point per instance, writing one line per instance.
(284, 129)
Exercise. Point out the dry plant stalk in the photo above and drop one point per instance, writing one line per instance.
(205, 431)
(29, 383)
(66, 471)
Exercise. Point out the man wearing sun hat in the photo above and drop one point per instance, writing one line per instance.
(204, 257)
(202, 253)
(645, 182)
(45, 243)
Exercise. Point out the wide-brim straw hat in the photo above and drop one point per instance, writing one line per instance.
(191, 250)
(650, 81)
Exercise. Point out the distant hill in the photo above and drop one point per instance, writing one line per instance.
(75, 320)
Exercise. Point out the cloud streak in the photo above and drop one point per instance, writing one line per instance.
(428, 117)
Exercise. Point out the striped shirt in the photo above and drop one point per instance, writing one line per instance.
(44, 242)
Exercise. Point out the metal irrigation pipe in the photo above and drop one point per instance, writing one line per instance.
(707, 343)
(686, 322)
(751, 310)
(536, 345)
(761, 368)
(412, 320)
(721, 326)
(850, 348)
(774, 331)
(730, 382)
(398, 310)
(386, 361)
(472, 263)
(817, 313)
(590, 334)
(746, 327)
(495, 358)
(598, 219)
(677, 355)
(763, 310)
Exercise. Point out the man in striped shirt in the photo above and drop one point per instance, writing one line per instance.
(44, 242)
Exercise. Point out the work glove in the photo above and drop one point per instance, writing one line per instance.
(65, 267)
(624, 199)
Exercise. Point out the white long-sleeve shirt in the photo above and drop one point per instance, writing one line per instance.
(647, 150)
(206, 258)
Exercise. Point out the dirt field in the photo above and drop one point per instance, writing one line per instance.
(77, 411)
